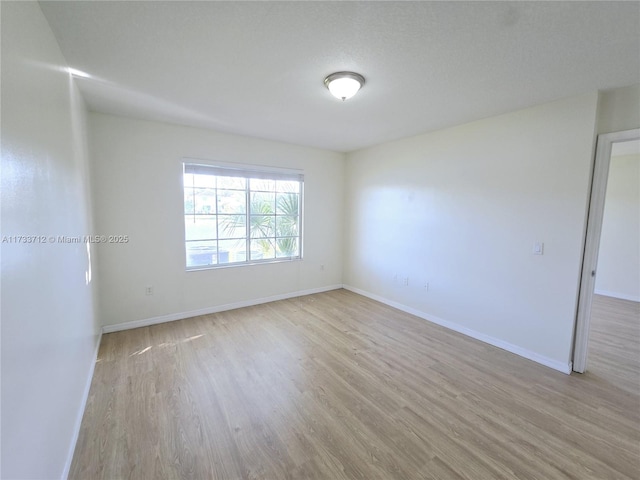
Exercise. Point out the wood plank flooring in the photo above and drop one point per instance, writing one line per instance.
(337, 386)
(614, 342)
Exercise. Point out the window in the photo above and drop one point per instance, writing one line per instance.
(234, 215)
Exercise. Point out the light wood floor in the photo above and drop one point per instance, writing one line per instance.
(336, 386)
(614, 343)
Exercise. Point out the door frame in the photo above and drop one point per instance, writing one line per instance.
(592, 241)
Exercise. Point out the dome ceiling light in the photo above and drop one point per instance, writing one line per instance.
(344, 85)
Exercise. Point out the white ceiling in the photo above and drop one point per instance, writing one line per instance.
(257, 68)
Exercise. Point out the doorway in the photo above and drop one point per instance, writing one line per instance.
(606, 144)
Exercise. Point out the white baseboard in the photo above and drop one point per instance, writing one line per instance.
(496, 342)
(622, 296)
(83, 406)
(219, 308)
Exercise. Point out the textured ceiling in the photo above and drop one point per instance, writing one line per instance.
(257, 68)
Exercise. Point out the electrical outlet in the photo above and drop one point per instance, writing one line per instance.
(395, 278)
(322, 267)
(405, 281)
(148, 290)
(426, 286)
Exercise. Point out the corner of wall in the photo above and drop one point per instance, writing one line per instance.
(619, 109)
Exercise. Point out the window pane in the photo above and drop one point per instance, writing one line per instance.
(237, 183)
(287, 247)
(258, 184)
(287, 226)
(232, 201)
(189, 202)
(263, 203)
(287, 203)
(232, 226)
(205, 200)
(262, 226)
(231, 220)
(200, 227)
(265, 248)
(287, 186)
(201, 254)
(242, 257)
(232, 251)
(208, 181)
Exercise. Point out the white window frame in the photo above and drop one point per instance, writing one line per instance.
(247, 172)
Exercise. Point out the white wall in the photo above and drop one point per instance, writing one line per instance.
(619, 254)
(619, 109)
(461, 209)
(49, 330)
(138, 192)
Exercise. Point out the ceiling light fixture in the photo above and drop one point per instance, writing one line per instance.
(344, 85)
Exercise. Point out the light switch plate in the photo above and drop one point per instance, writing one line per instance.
(538, 248)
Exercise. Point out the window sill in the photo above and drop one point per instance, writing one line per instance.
(243, 264)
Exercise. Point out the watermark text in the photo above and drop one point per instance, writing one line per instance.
(64, 239)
